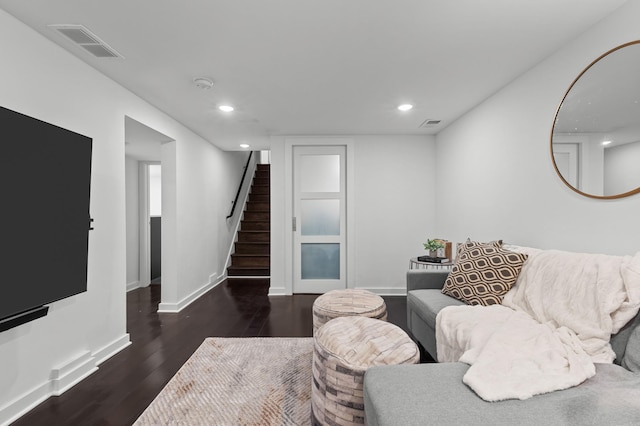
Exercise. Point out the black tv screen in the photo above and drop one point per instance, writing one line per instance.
(45, 181)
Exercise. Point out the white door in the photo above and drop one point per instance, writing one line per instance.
(319, 212)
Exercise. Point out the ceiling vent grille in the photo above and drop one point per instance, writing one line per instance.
(84, 38)
(430, 123)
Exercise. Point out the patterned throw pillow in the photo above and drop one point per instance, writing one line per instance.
(462, 247)
(483, 274)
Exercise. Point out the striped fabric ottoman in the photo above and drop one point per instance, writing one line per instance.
(347, 302)
(343, 350)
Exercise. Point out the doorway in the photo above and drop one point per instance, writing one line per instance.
(155, 223)
(144, 203)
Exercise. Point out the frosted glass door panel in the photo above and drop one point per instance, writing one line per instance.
(320, 261)
(320, 173)
(320, 217)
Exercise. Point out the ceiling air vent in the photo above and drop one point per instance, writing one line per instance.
(429, 123)
(84, 38)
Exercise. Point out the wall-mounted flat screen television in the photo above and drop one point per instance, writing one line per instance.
(45, 182)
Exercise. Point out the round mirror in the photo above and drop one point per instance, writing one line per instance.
(595, 140)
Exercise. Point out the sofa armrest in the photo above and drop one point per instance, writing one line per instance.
(425, 278)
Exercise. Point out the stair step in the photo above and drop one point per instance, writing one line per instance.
(252, 248)
(262, 174)
(259, 197)
(261, 181)
(257, 216)
(240, 271)
(255, 226)
(258, 206)
(240, 283)
(254, 236)
(260, 189)
(264, 166)
(250, 260)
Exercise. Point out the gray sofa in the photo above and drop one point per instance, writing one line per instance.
(433, 393)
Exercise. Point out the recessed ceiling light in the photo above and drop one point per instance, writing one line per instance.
(405, 107)
(225, 108)
(244, 145)
(605, 143)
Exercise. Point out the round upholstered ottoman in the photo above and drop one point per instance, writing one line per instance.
(347, 302)
(344, 348)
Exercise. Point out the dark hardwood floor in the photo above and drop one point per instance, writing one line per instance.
(125, 384)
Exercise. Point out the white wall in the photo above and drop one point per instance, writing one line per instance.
(81, 331)
(132, 222)
(205, 184)
(496, 175)
(91, 325)
(393, 209)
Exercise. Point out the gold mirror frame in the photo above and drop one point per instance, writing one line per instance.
(555, 166)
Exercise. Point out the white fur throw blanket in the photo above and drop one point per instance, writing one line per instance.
(552, 326)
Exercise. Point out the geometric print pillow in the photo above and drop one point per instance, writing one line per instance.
(462, 247)
(483, 274)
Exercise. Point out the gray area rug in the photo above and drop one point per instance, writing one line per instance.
(238, 381)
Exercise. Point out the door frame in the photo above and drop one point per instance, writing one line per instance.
(318, 285)
(349, 145)
(572, 150)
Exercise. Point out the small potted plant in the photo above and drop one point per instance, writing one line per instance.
(432, 246)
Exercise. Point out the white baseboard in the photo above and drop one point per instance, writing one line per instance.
(217, 278)
(277, 291)
(107, 351)
(67, 375)
(133, 285)
(61, 379)
(24, 403)
(177, 307)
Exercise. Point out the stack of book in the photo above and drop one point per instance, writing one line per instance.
(432, 259)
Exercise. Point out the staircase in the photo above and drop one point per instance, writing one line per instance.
(251, 255)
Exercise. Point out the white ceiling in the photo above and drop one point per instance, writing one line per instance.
(316, 67)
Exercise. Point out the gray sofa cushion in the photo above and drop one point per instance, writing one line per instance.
(427, 303)
(631, 359)
(627, 340)
(433, 394)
